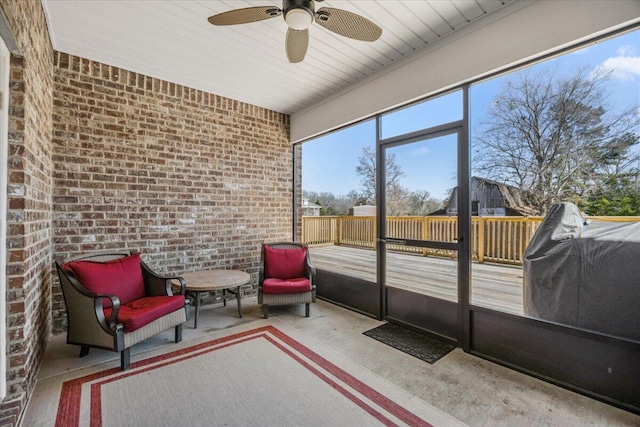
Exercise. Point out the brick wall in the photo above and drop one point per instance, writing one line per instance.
(190, 179)
(29, 272)
(101, 158)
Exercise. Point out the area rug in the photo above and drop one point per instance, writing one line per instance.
(267, 374)
(423, 347)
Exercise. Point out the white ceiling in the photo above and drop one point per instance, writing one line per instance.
(172, 40)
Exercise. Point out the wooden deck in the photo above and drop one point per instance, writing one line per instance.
(493, 286)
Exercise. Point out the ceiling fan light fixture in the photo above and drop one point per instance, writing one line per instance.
(299, 15)
(298, 18)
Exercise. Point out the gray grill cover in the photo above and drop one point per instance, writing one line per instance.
(584, 273)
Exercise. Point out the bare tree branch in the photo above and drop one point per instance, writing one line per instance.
(556, 137)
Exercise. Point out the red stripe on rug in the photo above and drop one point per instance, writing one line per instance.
(386, 421)
(69, 404)
(96, 388)
(95, 411)
(391, 406)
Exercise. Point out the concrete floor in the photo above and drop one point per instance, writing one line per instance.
(475, 391)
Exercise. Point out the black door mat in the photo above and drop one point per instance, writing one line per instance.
(424, 348)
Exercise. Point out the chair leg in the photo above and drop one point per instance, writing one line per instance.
(306, 310)
(179, 332)
(125, 359)
(265, 310)
(84, 350)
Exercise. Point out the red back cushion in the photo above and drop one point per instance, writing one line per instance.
(122, 277)
(284, 263)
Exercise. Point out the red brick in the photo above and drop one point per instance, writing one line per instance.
(181, 175)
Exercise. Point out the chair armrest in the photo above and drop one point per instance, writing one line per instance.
(86, 304)
(99, 309)
(181, 283)
(311, 270)
(94, 305)
(156, 285)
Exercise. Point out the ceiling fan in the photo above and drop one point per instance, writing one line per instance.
(299, 15)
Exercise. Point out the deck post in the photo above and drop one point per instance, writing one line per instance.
(425, 234)
(481, 223)
(375, 232)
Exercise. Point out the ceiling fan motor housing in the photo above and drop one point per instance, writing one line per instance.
(298, 7)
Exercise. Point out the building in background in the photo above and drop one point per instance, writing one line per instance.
(310, 209)
(363, 210)
(490, 198)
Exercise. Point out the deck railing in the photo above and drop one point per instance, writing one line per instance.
(494, 239)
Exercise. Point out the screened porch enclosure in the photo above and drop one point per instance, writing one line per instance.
(345, 245)
(498, 287)
(495, 239)
(406, 234)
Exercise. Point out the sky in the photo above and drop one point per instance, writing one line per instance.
(329, 162)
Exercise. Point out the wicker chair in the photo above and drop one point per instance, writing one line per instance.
(109, 306)
(286, 276)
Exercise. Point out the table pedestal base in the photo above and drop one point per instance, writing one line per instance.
(228, 281)
(226, 294)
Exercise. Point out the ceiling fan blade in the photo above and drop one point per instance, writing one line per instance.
(348, 24)
(245, 15)
(297, 43)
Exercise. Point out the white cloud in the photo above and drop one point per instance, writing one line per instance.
(627, 50)
(422, 151)
(625, 66)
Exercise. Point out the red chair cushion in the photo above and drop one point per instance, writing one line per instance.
(122, 277)
(289, 286)
(136, 314)
(284, 263)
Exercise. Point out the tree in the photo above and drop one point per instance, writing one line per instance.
(421, 203)
(399, 200)
(555, 137)
(357, 198)
(366, 169)
(330, 203)
(618, 196)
